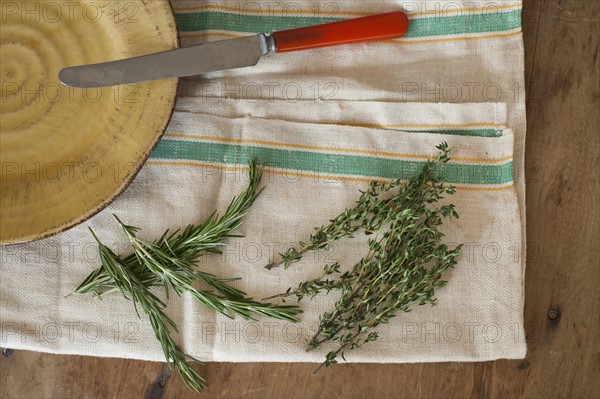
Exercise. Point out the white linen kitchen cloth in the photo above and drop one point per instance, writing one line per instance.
(455, 51)
(314, 171)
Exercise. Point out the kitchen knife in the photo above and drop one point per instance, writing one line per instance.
(234, 53)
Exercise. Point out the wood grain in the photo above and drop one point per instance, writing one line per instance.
(562, 310)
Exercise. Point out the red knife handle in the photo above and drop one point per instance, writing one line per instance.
(390, 25)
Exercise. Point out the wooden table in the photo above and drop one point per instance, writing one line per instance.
(563, 270)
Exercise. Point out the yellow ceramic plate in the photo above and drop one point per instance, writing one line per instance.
(67, 153)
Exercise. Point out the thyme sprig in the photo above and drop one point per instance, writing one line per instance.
(371, 213)
(168, 263)
(403, 265)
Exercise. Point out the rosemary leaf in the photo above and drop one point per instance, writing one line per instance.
(168, 263)
(131, 287)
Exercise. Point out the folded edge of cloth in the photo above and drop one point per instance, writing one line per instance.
(478, 316)
(469, 119)
(483, 307)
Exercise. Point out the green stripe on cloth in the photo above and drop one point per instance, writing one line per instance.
(214, 20)
(420, 27)
(460, 132)
(330, 164)
(473, 23)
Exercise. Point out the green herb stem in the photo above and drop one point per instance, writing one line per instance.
(403, 266)
(168, 263)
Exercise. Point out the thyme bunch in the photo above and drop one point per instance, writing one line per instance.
(403, 265)
(168, 263)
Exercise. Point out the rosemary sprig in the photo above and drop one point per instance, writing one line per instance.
(187, 245)
(168, 263)
(403, 266)
(131, 287)
(179, 274)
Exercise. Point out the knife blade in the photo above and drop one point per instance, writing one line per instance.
(234, 53)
